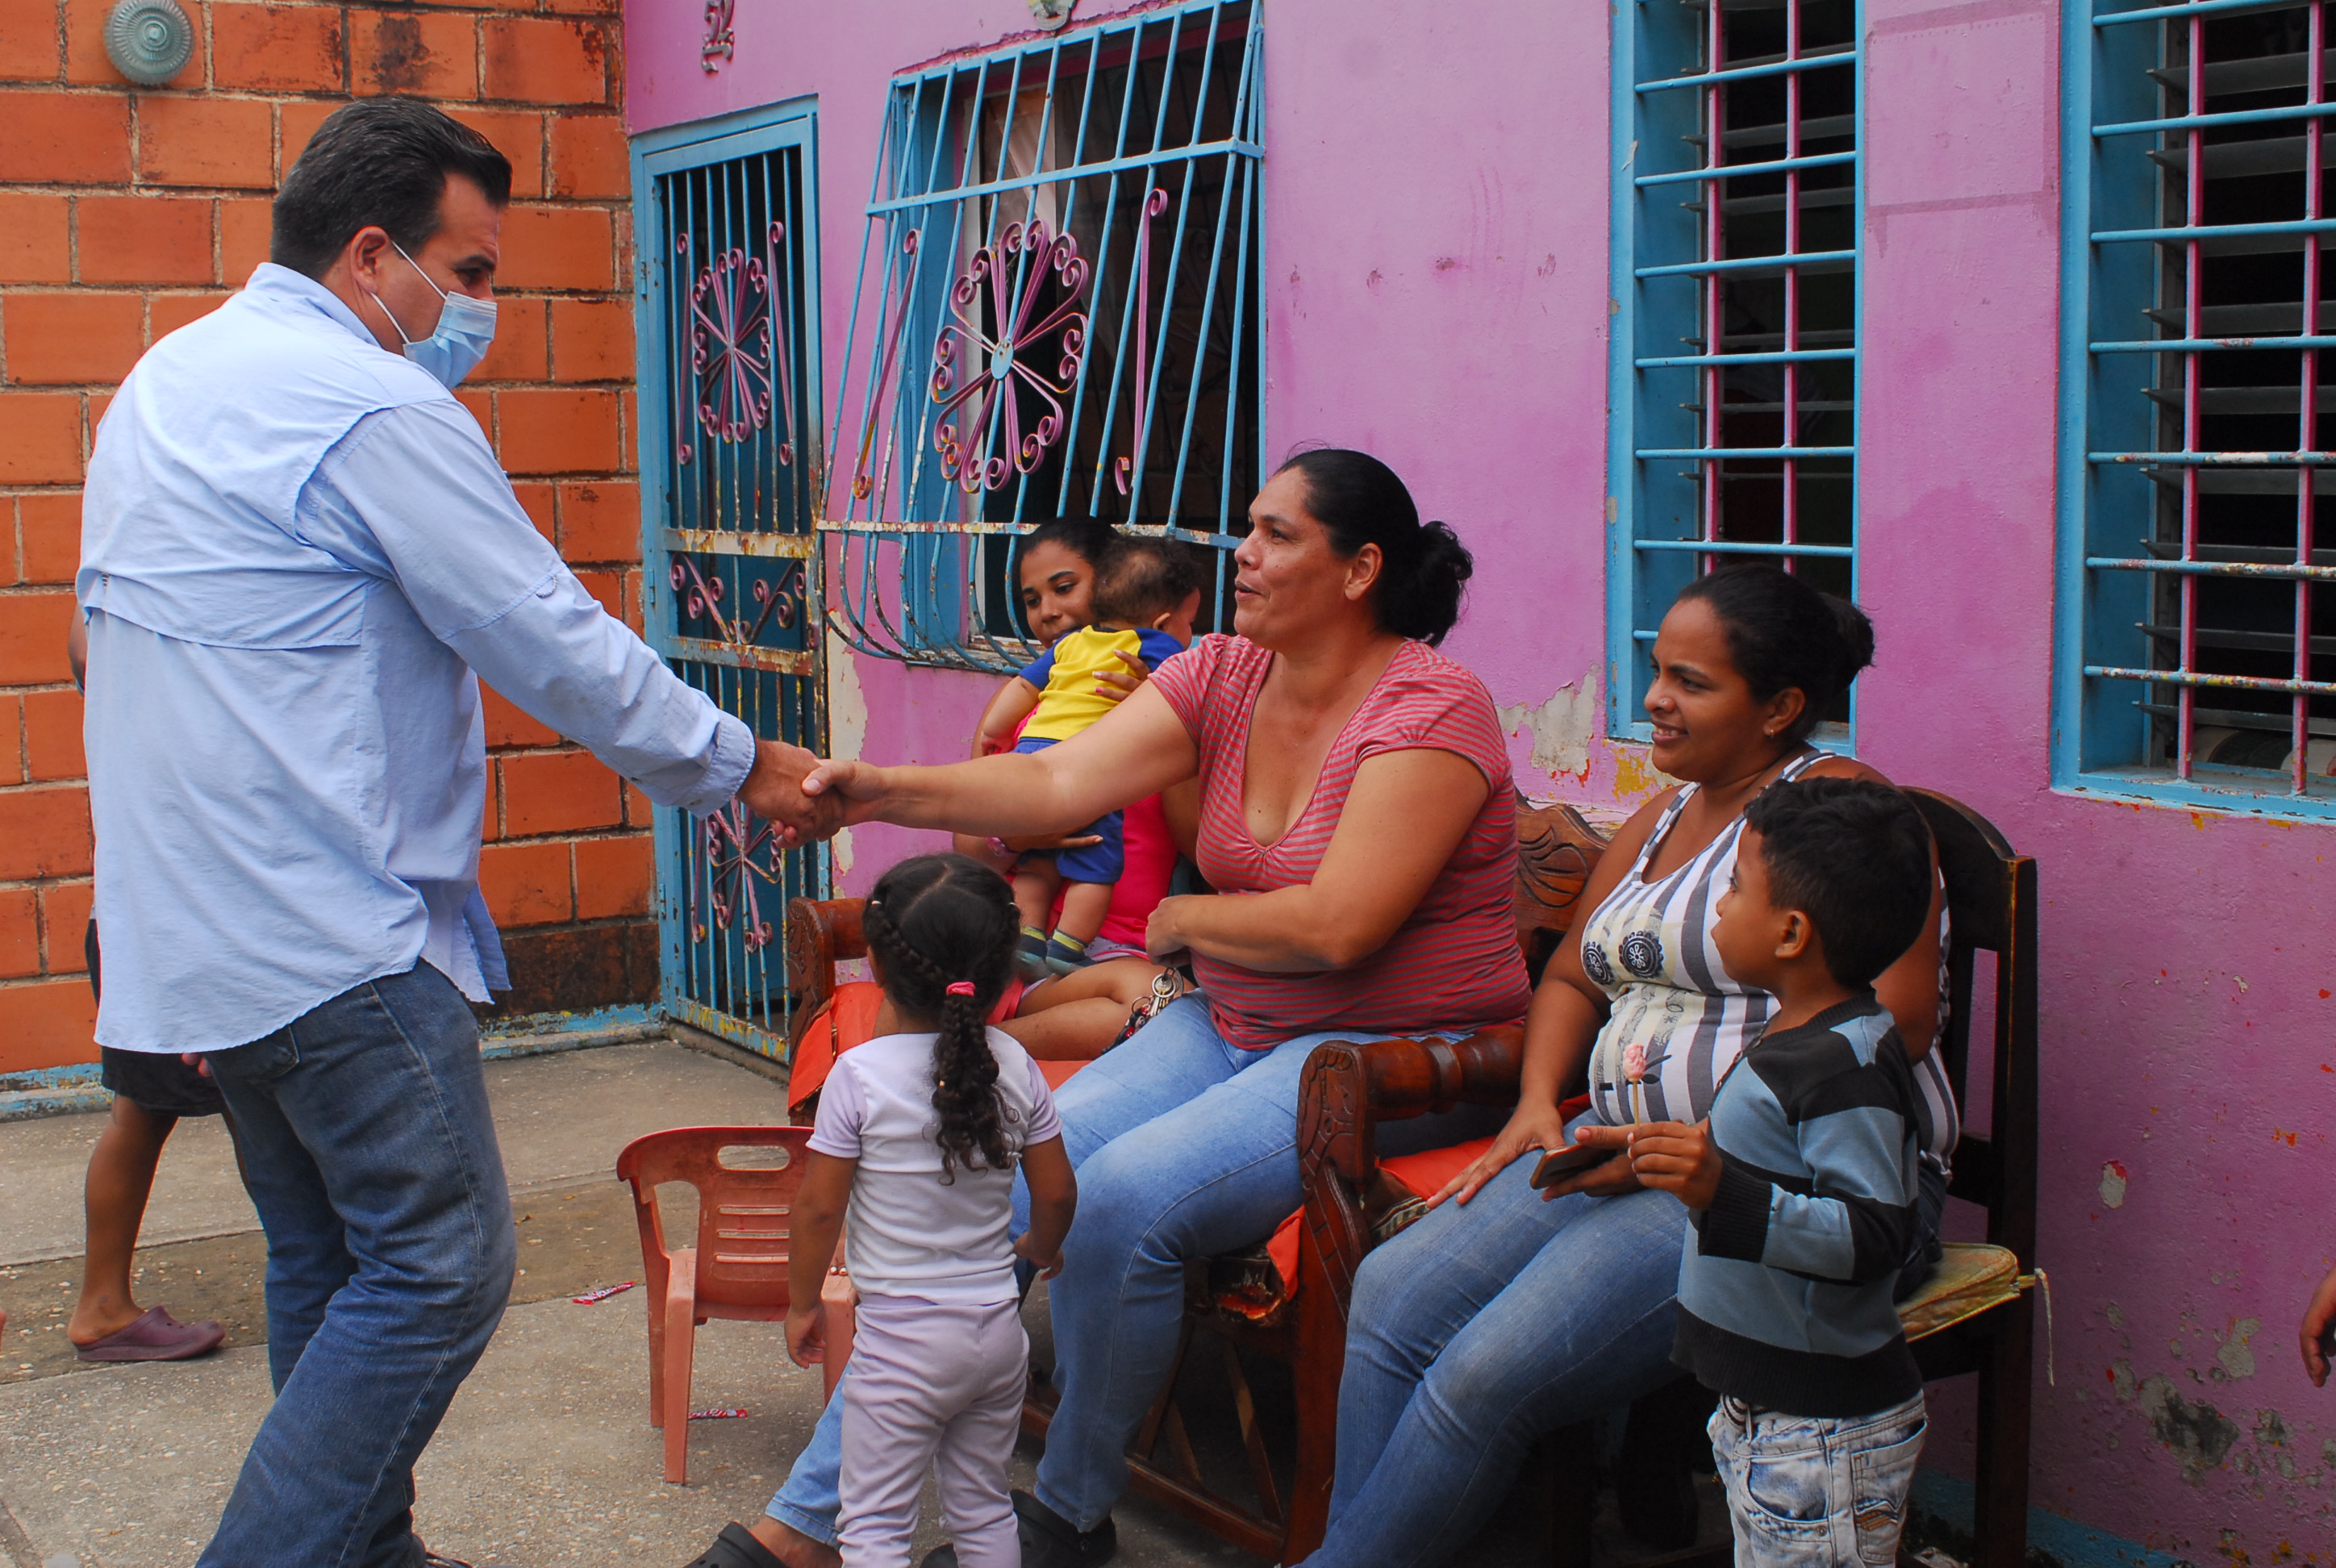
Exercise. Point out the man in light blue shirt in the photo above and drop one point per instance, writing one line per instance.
(297, 549)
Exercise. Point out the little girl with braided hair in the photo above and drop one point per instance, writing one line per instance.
(919, 1135)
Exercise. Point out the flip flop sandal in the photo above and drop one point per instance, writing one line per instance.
(736, 1547)
(156, 1336)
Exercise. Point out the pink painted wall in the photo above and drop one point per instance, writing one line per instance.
(1437, 293)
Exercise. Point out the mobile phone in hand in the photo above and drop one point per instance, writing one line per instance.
(1560, 1163)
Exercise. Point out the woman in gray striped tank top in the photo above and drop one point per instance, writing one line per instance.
(1504, 1314)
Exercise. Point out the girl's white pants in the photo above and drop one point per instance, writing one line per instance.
(935, 1386)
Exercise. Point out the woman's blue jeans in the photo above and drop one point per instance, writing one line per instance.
(1185, 1147)
(370, 1151)
(1487, 1325)
(1474, 1331)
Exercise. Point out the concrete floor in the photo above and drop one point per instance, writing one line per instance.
(546, 1455)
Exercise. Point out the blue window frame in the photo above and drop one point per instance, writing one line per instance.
(1057, 314)
(2195, 422)
(1737, 209)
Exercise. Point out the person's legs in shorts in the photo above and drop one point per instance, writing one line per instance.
(1078, 1017)
(1089, 872)
(1806, 1492)
(114, 1205)
(370, 1149)
(152, 1091)
(1474, 1332)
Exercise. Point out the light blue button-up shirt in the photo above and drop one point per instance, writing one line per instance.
(297, 548)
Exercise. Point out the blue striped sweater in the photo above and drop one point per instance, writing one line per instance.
(1785, 1284)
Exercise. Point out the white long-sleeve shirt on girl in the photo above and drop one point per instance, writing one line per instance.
(910, 1231)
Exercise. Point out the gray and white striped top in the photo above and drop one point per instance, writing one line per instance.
(1678, 1020)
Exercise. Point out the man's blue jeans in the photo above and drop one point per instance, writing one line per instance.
(370, 1152)
(1185, 1147)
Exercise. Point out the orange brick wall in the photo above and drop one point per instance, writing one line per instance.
(125, 213)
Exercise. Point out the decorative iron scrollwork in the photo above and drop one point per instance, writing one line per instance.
(995, 366)
(738, 358)
(702, 593)
(720, 44)
(727, 842)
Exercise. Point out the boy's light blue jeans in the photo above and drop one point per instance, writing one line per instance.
(1185, 1147)
(1805, 1492)
(370, 1152)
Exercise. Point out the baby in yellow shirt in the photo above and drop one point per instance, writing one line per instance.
(1142, 596)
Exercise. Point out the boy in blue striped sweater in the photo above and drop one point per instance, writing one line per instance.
(1802, 1183)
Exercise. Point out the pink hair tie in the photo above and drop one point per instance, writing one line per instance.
(961, 987)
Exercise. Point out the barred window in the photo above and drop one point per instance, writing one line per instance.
(1058, 315)
(2192, 587)
(1734, 369)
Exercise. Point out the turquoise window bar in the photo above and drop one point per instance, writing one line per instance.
(1057, 314)
(1733, 375)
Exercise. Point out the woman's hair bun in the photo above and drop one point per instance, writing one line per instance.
(1856, 637)
(1360, 501)
(1783, 634)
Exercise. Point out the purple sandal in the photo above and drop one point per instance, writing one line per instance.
(156, 1336)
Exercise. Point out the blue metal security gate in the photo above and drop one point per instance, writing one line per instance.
(727, 307)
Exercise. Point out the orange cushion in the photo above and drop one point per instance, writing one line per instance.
(1422, 1175)
(844, 1020)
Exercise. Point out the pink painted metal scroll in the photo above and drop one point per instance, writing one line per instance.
(720, 44)
(729, 841)
(863, 483)
(737, 356)
(1154, 204)
(703, 598)
(998, 368)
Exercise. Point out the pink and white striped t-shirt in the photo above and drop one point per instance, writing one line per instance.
(1454, 966)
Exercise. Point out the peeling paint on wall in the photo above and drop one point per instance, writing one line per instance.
(847, 726)
(1562, 727)
(2199, 1434)
(2236, 1358)
(1636, 777)
(2113, 1182)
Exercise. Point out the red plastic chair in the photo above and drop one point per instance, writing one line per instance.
(738, 1269)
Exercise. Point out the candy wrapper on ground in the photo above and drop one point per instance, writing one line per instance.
(603, 1293)
(717, 1415)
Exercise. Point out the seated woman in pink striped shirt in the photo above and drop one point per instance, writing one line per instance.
(1358, 824)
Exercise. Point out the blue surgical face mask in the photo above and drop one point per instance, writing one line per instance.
(466, 329)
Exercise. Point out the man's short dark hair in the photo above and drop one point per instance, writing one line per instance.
(378, 161)
(1853, 855)
(1143, 579)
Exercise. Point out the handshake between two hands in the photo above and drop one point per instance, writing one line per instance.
(807, 797)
